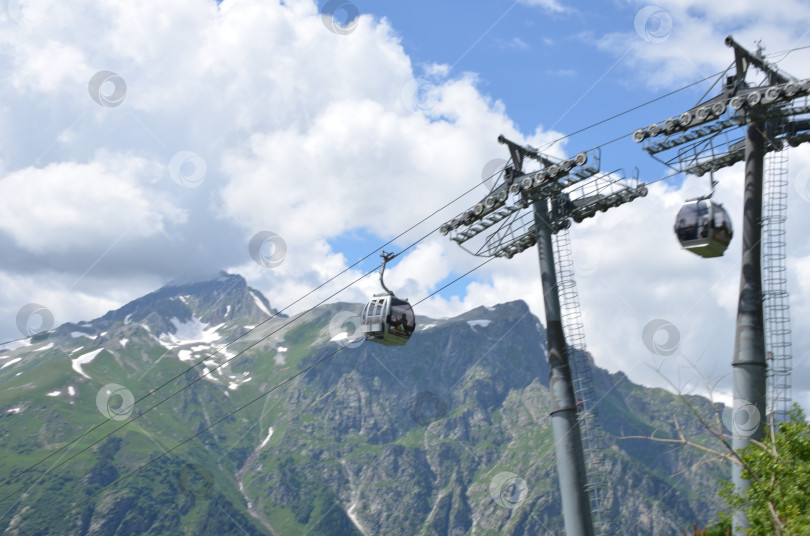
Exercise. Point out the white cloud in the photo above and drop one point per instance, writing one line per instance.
(48, 68)
(678, 41)
(69, 205)
(515, 43)
(360, 164)
(552, 6)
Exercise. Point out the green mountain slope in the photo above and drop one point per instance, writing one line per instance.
(447, 435)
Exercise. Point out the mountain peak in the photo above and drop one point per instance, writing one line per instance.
(223, 298)
(217, 300)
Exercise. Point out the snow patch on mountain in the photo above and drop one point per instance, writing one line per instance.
(193, 331)
(343, 335)
(474, 323)
(13, 345)
(84, 359)
(353, 516)
(259, 304)
(236, 381)
(266, 439)
(15, 360)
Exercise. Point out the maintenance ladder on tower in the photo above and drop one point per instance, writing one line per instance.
(775, 295)
(593, 440)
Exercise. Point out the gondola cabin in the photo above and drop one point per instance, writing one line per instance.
(388, 320)
(704, 228)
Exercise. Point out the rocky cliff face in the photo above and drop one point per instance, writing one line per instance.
(447, 435)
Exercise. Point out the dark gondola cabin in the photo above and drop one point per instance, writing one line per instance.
(704, 228)
(388, 320)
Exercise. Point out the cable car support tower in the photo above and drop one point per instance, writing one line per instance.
(593, 440)
(744, 123)
(556, 191)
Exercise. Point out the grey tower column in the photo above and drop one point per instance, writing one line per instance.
(567, 438)
(749, 365)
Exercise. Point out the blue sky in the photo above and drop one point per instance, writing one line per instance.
(251, 116)
(525, 56)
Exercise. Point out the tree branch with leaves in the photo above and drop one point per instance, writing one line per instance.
(778, 466)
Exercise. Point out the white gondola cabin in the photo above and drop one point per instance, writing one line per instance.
(704, 228)
(386, 319)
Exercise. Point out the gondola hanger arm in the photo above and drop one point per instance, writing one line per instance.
(710, 194)
(386, 258)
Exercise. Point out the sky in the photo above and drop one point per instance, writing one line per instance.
(142, 142)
